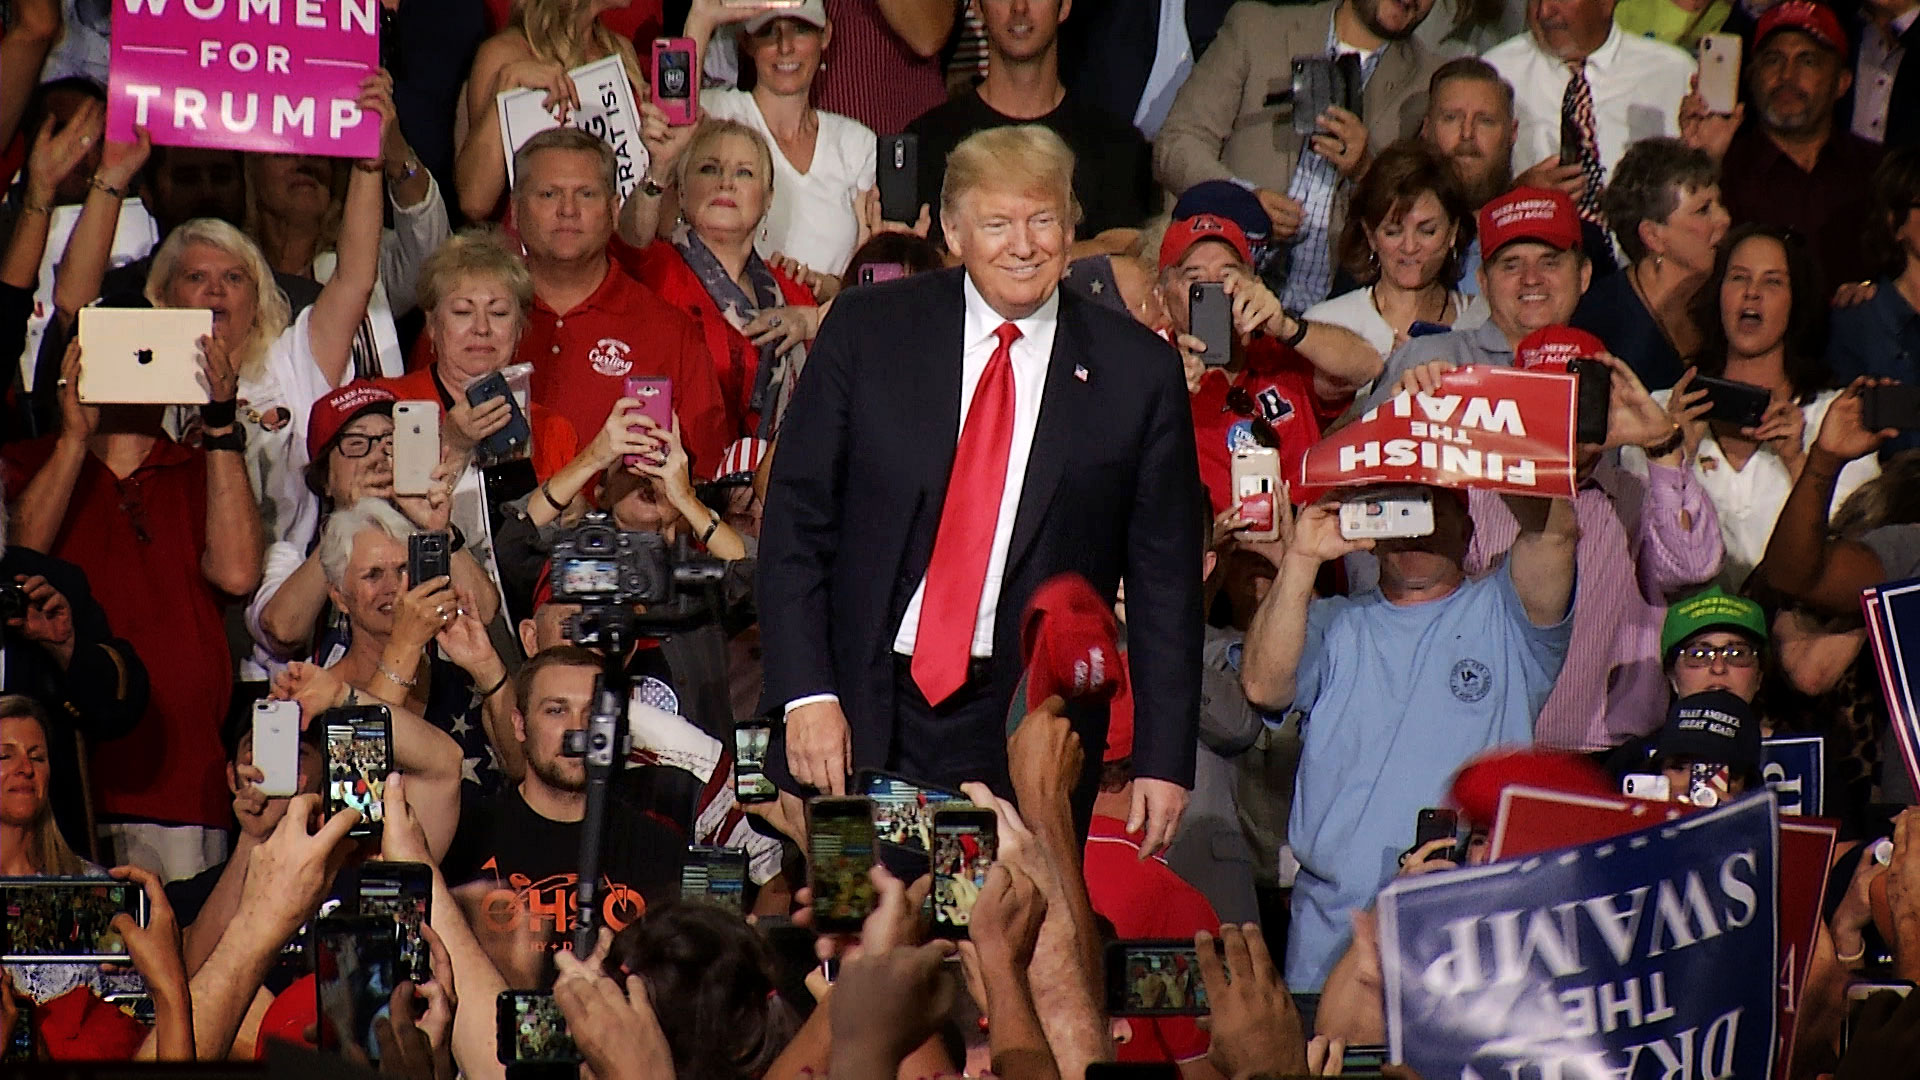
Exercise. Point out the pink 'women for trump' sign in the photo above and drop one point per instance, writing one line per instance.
(271, 75)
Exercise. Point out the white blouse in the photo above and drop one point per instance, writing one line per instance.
(812, 217)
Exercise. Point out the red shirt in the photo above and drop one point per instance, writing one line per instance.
(554, 440)
(660, 267)
(1280, 382)
(582, 358)
(140, 541)
(1147, 900)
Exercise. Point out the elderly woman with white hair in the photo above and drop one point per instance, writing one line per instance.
(285, 364)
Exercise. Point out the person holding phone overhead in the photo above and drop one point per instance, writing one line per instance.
(1762, 312)
(964, 504)
(756, 319)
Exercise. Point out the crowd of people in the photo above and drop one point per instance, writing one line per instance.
(899, 347)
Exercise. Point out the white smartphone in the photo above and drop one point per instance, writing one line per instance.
(143, 356)
(1261, 493)
(1389, 514)
(1653, 786)
(1720, 72)
(276, 746)
(416, 446)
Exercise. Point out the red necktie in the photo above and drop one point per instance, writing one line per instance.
(957, 572)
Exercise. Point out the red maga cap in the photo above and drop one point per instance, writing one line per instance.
(1070, 643)
(1529, 213)
(1552, 348)
(1817, 21)
(337, 410)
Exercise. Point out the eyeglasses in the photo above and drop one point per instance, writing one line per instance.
(354, 446)
(1700, 656)
(1240, 403)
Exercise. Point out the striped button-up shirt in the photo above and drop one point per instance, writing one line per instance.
(1642, 540)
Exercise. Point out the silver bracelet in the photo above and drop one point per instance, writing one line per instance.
(381, 667)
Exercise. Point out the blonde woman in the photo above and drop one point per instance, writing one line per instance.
(285, 364)
(544, 40)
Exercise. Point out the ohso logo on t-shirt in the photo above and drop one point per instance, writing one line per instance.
(550, 908)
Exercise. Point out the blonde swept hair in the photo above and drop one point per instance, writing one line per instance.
(712, 130)
(47, 850)
(474, 252)
(272, 312)
(1023, 158)
(550, 29)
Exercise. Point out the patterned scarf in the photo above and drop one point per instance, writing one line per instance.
(773, 384)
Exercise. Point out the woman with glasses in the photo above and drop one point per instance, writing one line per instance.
(1760, 311)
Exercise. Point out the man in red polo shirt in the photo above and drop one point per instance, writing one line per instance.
(1286, 378)
(593, 326)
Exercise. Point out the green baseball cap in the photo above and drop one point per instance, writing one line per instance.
(1712, 609)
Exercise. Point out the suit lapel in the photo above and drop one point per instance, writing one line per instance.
(1061, 424)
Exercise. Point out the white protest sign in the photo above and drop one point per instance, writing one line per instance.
(607, 111)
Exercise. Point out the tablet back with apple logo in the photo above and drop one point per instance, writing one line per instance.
(143, 356)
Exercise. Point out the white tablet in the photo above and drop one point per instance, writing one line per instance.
(143, 356)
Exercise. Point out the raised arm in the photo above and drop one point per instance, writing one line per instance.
(1342, 360)
(1542, 557)
(1277, 637)
(504, 62)
(39, 511)
(84, 265)
(235, 538)
(35, 26)
(51, 159)
(343, 302)
(925, 25)
(1824, 572)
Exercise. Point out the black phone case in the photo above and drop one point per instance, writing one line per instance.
(1883, 407)
(1210, 318)
(508, 440)
(897, 170)
(427, 557)
(1594, 399)
(1741, 404)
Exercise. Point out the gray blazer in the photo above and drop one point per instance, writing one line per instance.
(1221, 127)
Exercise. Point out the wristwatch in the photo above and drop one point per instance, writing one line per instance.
(235, 440)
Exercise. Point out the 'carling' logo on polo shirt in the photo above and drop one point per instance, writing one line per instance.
(611, 356)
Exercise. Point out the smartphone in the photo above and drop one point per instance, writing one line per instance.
(718, 874)
(903, 809)
(354, 972)
(1719, 72)
(529, 1029)
(1261, 493)
(673, 82)
(509, 441)
(839, 857)
(1154, 977)
(1439, 823)
(402, 892)
(1737, 403)
(1210, 318)
(1653, 786)
(1364, 1062)
(1132, 1070)
(1857, 995)
(873, 273)
(966, 841)
(1399, 513)
(655, 396)
(1708, 784)
(1593, 399)
(54, 920)
(427, 557)
(1569, 140)
(897, 172)
(359, 757)
(276, 746)
(750, 783)
(1895, 406)
(416, 446)
(1318, 84)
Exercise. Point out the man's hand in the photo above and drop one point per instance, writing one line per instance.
(1424, 378)
(1342, 140)
(1044, 757)
(155, 947)
(1855, 911)
(617, 1031)
(1843, 432)
(1006, 918)
(289, 872)
(1316, 535)
(314, 688)
(78, 421)
(251, 805)
(402, 839)
(1284, 211)
(1421, 859)
(1548, 173)
(1255, 1026)
(885, 1004)
(1903, 889)
(1255, 308)
(1704, 129)
(54, 156)
(820, 746)
(1634, 418)
(49, 618)
(1157, 807)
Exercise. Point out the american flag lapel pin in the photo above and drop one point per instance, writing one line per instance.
(1080, 372)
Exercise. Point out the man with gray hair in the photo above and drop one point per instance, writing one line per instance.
(915, 507)
(593, 326)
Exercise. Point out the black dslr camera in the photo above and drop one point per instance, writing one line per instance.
(630, 581)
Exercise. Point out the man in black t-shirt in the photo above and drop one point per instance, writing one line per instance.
(1113, 167)
(526, 840)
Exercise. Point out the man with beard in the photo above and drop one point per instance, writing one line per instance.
(1112, 174)
(1793, 165)
(1233, 120)
(1470, 122)
(1574, 70)
(526, 840)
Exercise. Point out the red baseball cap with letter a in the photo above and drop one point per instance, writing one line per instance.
(1529, 213)
(1552, 348)
(1183, 234)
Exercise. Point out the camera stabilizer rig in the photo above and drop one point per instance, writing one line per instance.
(628, 584)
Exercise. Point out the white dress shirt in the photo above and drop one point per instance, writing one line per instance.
(1031, 353)
(1637, 86)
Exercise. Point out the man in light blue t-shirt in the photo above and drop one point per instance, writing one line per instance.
(1399, 687)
